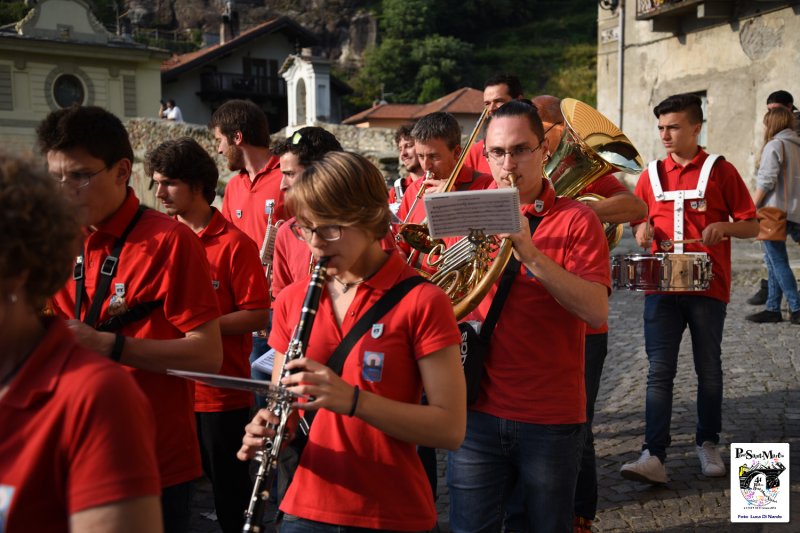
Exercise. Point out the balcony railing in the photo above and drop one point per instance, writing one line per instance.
(215, 84)
(646, 9)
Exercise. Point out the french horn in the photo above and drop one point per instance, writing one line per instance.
(590, 147)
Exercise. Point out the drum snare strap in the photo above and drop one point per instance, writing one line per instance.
(679, 197)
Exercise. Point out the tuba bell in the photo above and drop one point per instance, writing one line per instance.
(590, 147)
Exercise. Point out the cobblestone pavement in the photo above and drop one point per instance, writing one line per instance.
(761, 404)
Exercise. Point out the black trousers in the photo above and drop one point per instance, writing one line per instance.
(220, 437)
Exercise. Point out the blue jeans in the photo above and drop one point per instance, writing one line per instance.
(496, 452)
(294, 524)
(665, 319)
(781, 278)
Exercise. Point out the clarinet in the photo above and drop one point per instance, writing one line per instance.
(281, 406)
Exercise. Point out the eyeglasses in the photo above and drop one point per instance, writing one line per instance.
(77, 180)
(519, 153)
(331, 232)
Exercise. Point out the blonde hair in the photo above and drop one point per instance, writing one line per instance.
(343, 187)
(776, 120)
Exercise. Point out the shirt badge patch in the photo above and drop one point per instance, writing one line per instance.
(372, 369)
(377, 330)
(6, 495)
(117, 304)
(238, 213)
(700, 205)
(538, 205)
(215, 284)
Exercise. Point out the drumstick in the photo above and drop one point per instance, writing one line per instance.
(667, 244)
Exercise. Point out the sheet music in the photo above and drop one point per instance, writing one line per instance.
(263, 388)
(455, 214)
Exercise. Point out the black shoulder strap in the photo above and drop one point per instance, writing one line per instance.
(373, 314)
(504, 288)
(107, 271)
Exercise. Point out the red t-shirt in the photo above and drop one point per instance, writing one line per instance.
(475, 158)
(605, 186)
(162, 260)
(291, 259)
(245, 201)
(351, 473)
(238, 279)
(77, 434)
(534, 371)
(726, 198)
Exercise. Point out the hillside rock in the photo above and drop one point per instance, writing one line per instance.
(345, 28)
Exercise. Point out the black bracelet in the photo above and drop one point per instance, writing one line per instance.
(355, 402)
(116, 350)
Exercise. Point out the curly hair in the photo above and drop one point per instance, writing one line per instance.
(309, 144)
(40, 229)
(185, 160)
(343, 187)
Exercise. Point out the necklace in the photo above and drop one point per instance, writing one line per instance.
(347, 286)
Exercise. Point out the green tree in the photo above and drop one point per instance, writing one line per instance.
(407, 19)
(441, 61)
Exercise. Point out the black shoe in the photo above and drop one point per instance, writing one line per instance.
(795, 318)
(760, 298)
(763, 317)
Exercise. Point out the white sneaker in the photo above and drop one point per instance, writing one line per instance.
(710, 461)
(647, 468)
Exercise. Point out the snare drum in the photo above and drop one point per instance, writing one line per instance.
(661, 272)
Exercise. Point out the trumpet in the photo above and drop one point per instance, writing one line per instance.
(282, 406)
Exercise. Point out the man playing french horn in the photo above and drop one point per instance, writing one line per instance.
(528, 422)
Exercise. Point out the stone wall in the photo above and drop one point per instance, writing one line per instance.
(376, 144)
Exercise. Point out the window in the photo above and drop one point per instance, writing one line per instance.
(68, 90)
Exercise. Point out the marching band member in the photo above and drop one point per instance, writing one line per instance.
(360, 468)
(408, 157)
(690, 195)
(528, 422)
(497, 90)
(292, 260)
(617, 205)
(437, 141)
(241, 129)
(186, 180)
(78, 448)
(143, 281)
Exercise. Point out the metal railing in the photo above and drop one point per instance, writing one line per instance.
(645, 8)
(225, 82)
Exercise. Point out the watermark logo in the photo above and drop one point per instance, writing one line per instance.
(759, 482)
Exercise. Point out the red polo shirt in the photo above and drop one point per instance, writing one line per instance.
(726, 198)
(291, 260)
(605, 186)
(77, 434)
(245, 200)
(475, 158)
(162, 260)
(351, 473)
(534, 371)
(239, 283)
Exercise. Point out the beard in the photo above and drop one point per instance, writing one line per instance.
(235, 158)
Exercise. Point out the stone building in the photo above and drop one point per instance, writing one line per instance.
(58, 55)
(732, 54)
